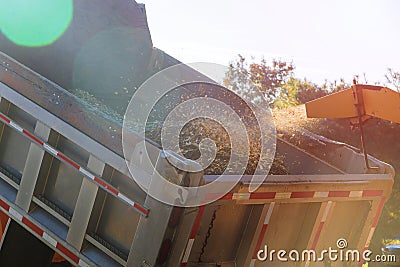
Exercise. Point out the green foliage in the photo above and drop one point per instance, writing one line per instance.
(237, 78)
(252, 81)
(269, 79)
(307, 91)
(275, 82)
(288, 94)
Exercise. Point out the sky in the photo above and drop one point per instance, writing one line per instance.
(325, 39)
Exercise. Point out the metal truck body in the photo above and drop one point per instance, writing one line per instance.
(61, 183)
(65, 186)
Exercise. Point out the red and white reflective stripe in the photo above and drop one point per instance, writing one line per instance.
(321, 225)
(262, 233)
(68, 253)
(192, 236)
(99, 181)
(373, 226)
(375, 222)
(301, 194)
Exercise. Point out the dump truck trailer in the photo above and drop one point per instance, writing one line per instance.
(65, 186)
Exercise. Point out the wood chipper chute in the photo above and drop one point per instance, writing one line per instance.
(358, 104)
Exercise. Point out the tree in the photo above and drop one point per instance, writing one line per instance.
(288, 95)
(393, 78)
(307, 91)
(237, 78)
(250, 81)
(270, 79)
(335, 86)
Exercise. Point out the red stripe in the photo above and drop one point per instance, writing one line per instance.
(317, 234)
(67, 160)
(101, 182)
(67, 253)
(197, 222)
(308, 194)
(339, 194)
(378, 212)
(260, 239)
(4, 118)
(213, 196)
(227, 196)
(34, 138)
(372, 193)
(112, 189)
(105, 185)
(4, 205)
(32, 226)
(140, 208)
(184, 264)
(360, 264)
(265, 195)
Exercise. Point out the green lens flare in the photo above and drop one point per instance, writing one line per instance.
(35, 22)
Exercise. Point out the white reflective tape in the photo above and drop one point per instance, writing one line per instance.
(125, 198)
(283, 195)
(82, 263)
(49, 239)
(50, 149)
(371, 233)
(187, 251)
(252, 262)
(321, 194)
(356, 193)
(241, 196)
(269, 212)
(326, 211)
(15, 126)
(86, 173)
(15, 213)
